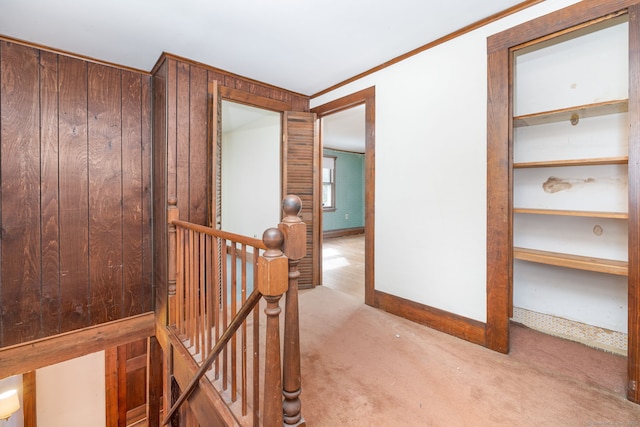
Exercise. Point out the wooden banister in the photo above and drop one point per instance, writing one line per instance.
(208, 277)
(220, 344)
(272, 283)
(294, 248)
(195, 249)
(238, 238)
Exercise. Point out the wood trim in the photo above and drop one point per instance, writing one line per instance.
(478, 24)
(240, 96)
(29, 409)
(37, 354)
(368, 98)
(330, 234)
(344, 103)
(440, 320)
(111, 385)
(558, 22)
(155, 382)
(633, 352)
(499, 207)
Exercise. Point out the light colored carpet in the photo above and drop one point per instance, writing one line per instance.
(365, 367)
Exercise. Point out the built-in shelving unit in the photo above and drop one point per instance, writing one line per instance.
(563, 179)
(569, 173)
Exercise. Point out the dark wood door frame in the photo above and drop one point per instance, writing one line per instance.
(499, 160)
(366, 97)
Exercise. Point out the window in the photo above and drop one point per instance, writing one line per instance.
(329, 183)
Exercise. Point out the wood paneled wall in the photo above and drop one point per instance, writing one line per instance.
(75, 201)
(182, 143)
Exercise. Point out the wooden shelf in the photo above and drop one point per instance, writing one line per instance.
(590, 214)
(622, 160)
(572, 261)
(564, 114)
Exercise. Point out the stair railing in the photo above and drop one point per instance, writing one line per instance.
(205, 260)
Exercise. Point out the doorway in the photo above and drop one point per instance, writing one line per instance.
(347, 242)
(250, 169)
(343, 152)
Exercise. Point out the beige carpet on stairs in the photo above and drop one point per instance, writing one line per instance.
(364, 367)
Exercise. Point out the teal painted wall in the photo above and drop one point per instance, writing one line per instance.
(349, 211)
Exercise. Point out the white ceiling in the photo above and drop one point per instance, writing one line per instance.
(345, 130)
(301, 45)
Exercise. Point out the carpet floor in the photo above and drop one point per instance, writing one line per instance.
(364, 367)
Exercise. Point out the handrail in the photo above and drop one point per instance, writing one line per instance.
(240, 317)
(213, 232)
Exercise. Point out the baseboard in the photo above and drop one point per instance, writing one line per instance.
(443, 321)
(342, 232)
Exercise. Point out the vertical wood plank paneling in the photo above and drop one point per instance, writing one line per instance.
(105, 194)
(198, 164)
(20, 172)
(161, 188)
(147, 293)
(74, 206)
(54, 195)
(49, 198)
(132, 196)
(170, 87)
(182, 137)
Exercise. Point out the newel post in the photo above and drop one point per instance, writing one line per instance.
(172, 214)
(272, 284)
(295, 244)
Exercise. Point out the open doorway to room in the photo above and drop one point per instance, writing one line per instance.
(347, 152)
(343, 154)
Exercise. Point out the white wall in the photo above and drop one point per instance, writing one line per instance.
(430, 209)
(72, 393)
(251, 188)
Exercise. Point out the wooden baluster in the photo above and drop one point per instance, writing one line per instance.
(172, 214)
(295, 243)
(272, 283)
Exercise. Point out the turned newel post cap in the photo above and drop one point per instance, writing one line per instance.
(291, 206)
(295, 231)
(273, 239)
(273, 266)
(172, 210)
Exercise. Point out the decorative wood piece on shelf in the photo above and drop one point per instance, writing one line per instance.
(621, 160)
(566, 114)
(590, 214)
(572, 261)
